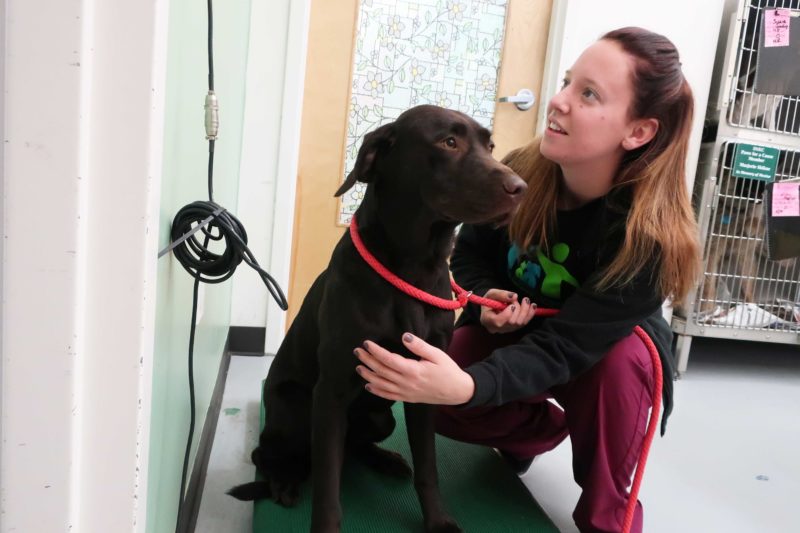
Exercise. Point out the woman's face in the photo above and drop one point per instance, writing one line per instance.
(588, 119)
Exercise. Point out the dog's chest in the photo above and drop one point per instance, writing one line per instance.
(433, 324)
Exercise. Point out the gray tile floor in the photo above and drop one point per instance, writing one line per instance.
(729, 463)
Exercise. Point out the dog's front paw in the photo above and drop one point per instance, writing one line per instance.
(443, 525)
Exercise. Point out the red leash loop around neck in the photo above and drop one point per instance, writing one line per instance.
(462, 297)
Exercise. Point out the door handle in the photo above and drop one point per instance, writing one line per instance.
(524, 99)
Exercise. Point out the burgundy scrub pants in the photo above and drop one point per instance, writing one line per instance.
(605, 413)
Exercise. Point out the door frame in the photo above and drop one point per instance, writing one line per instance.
(287, 165)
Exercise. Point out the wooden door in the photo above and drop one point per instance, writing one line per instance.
(327, 104)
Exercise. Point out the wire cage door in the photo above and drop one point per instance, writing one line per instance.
(742, 289)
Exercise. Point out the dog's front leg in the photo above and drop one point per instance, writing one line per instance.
(327, 454)
(420, 425)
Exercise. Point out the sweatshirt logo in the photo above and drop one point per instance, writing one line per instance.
(536, 270)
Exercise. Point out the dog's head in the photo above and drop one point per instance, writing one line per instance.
(441, 160)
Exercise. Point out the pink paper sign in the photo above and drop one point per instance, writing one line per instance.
(776, 27)
(786, 199)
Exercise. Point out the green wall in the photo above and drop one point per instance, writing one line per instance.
(184, 181)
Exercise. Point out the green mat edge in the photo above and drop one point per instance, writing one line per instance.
(487, 497)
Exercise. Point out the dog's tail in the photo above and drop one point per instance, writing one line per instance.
(255, 490)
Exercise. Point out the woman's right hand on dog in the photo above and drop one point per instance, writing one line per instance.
(513, 317)
(433, 379)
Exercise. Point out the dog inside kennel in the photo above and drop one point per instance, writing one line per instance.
(743, 284)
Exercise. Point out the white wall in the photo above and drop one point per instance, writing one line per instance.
(83, 109)
(269, 26)
(270, 149)
(2, 193)
(691, 24)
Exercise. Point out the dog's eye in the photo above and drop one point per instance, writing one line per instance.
(450, 142)
(491, 147)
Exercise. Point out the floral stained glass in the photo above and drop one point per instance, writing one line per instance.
(407, 53)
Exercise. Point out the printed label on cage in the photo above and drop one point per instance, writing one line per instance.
(776, 27)
(786, 200)
(755, 162)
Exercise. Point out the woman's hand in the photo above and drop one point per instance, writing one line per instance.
(513, 317)
(434, 379)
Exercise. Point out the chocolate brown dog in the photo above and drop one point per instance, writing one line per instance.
(426, 172)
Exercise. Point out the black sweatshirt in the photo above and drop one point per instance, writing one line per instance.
(555, 350)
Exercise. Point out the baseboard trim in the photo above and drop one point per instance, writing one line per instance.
(244, 340)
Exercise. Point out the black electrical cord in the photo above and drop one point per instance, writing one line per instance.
(210, 267)
(210, 46)
(210, 222)
(210, 90)
(211, 170)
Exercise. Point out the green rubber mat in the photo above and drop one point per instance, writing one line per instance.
(479, 490)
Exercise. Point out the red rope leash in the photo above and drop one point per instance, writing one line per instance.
(463, 297)
(658, 384)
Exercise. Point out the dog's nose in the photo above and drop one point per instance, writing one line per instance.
(514, 185)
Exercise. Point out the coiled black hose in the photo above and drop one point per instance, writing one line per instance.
(208, 266)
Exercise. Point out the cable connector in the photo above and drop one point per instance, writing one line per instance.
(212, 116)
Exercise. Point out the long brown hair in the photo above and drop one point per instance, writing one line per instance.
(660, 223)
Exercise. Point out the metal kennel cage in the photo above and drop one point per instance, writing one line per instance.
(742, 293)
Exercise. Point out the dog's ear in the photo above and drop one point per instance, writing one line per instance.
(374, 142)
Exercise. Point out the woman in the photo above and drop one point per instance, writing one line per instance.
(605, 233)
